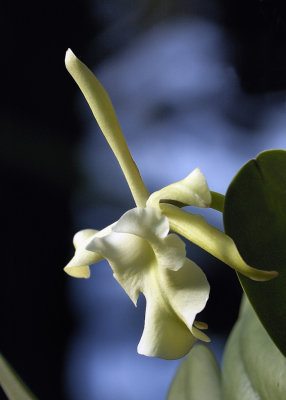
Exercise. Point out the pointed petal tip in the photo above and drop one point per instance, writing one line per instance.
(256, 274)
(264, 276)
(77, 272)
(69, 57)
(69, 53)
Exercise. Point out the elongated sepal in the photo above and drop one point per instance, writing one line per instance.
(103, 112)
(197, 230)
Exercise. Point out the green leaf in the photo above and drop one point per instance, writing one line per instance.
(198, 377)
(12, 385)
(253, 367)
(255, 218)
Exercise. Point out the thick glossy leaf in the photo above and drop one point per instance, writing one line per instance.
(12, 385)
(255, 218)
(198, 377)
(253, 367)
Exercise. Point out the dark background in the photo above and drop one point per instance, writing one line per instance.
(39, 133)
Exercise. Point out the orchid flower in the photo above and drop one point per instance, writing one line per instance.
(145, 258)
(142, 253)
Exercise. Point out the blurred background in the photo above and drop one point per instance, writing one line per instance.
(194, 84)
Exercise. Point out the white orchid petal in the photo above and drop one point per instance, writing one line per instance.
(148, 223)
(171, 252)
(173, 299)
(192, 190)
(190, 291)
(78, 267)
(81, 237)
(164, 335)
(129, 256)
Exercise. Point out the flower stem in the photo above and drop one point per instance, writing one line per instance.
(217, 201)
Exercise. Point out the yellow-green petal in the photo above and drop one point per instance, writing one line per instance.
(173, 298)
(197, 230)
(190, 191)
(103, 111)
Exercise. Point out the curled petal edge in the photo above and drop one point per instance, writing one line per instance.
(78, 267)
(190, 191)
